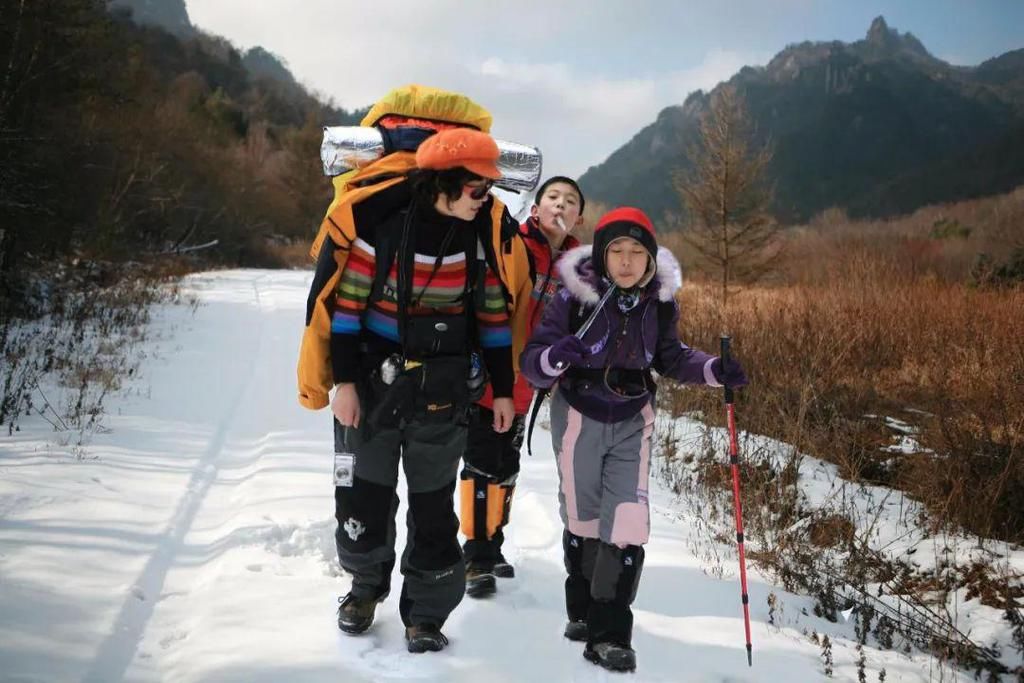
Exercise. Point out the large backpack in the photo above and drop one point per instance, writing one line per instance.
(406, 116)
(409, 114)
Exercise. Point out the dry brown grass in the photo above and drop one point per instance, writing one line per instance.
(74, 339)
(872, 320)
(294, 255)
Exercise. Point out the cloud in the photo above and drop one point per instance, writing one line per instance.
(578, 119)
(543, 70)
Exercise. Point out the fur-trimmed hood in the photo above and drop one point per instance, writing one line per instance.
(577, 274)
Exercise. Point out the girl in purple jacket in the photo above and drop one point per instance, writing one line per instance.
(597, 348)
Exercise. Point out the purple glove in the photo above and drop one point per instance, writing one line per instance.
(567, 351)
(730, 376)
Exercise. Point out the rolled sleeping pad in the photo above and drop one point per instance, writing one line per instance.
(347, 147)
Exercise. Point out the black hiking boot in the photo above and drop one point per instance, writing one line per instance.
(424, 638)
(577, 630)
(355, 614)
(479, 581)
(611, 656)
(502, 568)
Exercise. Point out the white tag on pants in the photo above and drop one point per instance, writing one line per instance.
(344, 469)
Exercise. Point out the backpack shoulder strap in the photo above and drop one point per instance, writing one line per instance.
(531, 261)
(387, 240)
(666, 311)
(576, 318)
(385, 249)
(476, 271)
(538, 399)
(476, 263)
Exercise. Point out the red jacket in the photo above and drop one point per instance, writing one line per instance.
(545, 284)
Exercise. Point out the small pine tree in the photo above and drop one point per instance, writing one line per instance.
(773, 603)
(865, 614)
(862, 661)
(881, 676)
(884, 629)
(826, 655)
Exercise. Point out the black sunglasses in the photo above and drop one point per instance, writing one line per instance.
(478, 191)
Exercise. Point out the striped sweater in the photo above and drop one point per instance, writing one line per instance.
(437, 288)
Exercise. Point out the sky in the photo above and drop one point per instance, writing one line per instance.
(576, 78)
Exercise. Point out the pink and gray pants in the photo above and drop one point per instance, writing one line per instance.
(603, 474)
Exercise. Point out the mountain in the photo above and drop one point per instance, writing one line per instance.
(170, 15)
(266, 64)
(257, 77)
(878, 126)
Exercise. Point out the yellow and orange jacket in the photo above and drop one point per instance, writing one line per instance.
(337, 232)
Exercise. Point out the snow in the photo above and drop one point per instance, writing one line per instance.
(903, 441)
(193, 541)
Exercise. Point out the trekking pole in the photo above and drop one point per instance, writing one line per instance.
(734, 461)
(597, 309)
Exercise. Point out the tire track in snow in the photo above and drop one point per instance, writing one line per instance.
(118, 650)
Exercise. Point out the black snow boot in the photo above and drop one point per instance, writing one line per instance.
(611, 656)
(577, 630)
(579, 554)
(425, 638)
(355, 615)
(480, 581)
(502, 568)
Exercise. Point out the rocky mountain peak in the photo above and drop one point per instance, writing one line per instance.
(877, 126)
(879, 33)
(886, 41)
(170, 15)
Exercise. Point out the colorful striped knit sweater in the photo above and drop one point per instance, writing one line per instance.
(437, 291)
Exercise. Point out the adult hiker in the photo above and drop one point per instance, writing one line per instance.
(414, 300)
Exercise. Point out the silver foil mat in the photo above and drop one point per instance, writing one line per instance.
(347, 147)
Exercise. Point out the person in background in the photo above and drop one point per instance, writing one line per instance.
(491, 460)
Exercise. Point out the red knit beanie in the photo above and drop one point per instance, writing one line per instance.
(624, 221)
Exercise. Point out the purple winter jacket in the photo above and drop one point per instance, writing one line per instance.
(632, 340)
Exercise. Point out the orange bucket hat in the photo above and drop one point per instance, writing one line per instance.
(475, 151)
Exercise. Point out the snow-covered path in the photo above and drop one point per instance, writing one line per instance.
(195, 542)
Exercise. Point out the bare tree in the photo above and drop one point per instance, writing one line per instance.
(727, 196)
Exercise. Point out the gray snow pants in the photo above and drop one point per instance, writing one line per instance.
(432, 564)
(603, 472)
